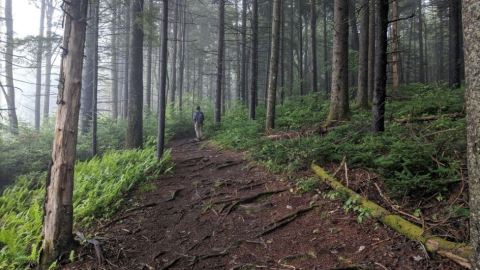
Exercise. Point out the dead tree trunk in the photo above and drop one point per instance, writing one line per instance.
(273, 74)
(471, 24)
(148, 88)
(254, 71)
(58, 208)
(162, 95)
(362, 93)
(39, 61)
(135, 96)
(380, 91)
(174, 56)
(10, 96)
(339, 102)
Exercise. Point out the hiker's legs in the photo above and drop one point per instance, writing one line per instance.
(200, 131)
(197, 131)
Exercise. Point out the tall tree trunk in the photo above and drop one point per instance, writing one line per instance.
(380, 91)
(220, 61)
(313, 29)
(114, 68)
(243, 76)
(162, 95)
(182, 56)
(421, 60)
(86, 109)
(96, 25)
(325, 49)
(362, 93)
(58, 208)
(174, 56)
(300, 48)
(354, 39)
(471, 24)
(135, 94)
(395, 48)
(48, 58)
(371, 49)
(254, 71)
(126, 66)
(39, 61)
(339, 102)
(292, 48)
(10, 97)
(148, 91)
(273, 74)
(454, 64)
(282, 52)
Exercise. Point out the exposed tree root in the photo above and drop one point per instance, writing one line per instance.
(229, 164)
(457, 252)
(284, 220)
(171, 263)
(174, 194)
(230, 204)
(141, 207)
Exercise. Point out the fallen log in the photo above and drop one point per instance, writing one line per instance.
(427, 118)
(457, 252)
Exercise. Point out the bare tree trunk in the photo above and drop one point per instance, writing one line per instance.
(300, 48)
(455, 62)
(243, 76)
(362, 93)
(371, 49)
(48, 58)
(58, 208)
(220, 61)
(95, 78)
(395, 48)
(126, 66)
(10, 97)
(379, 94)
(86, 109)
(174, 57)
(282, 53)
(292, 48)
(421, 61)
(162, 95)
(39, 61)
(313, 29)
(148, 91)
(273, 74)
(134, 137)
(254, 71)
(339, 102)
(471, 24)
(182, 57)
(114, 68)
(325, 49)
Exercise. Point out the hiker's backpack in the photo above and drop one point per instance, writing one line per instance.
(200, 117)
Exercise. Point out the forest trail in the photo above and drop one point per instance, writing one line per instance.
(207, 215)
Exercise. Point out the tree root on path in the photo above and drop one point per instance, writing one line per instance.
(229, 163)
(230, 204)
(141, 207)
(174, 194)
(285, 220)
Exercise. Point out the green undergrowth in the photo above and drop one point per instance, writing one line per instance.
(101, 186)
(415, 159)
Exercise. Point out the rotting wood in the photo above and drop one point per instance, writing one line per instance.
(285, 220)
(457, 252)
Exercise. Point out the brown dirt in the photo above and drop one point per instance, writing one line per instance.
(198, 228)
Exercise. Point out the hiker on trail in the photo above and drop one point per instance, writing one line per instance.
(198, 118)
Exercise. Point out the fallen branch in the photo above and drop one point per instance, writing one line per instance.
(457, 252)
(427, 118)
(285, 220)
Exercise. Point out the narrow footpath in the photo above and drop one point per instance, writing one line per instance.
(217, 210)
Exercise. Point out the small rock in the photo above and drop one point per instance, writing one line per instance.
(360, 249)
(289, 207)
(417, 258)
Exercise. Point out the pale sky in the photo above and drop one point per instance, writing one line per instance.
(26, 18)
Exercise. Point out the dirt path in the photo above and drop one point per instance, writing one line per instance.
(193, 220)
